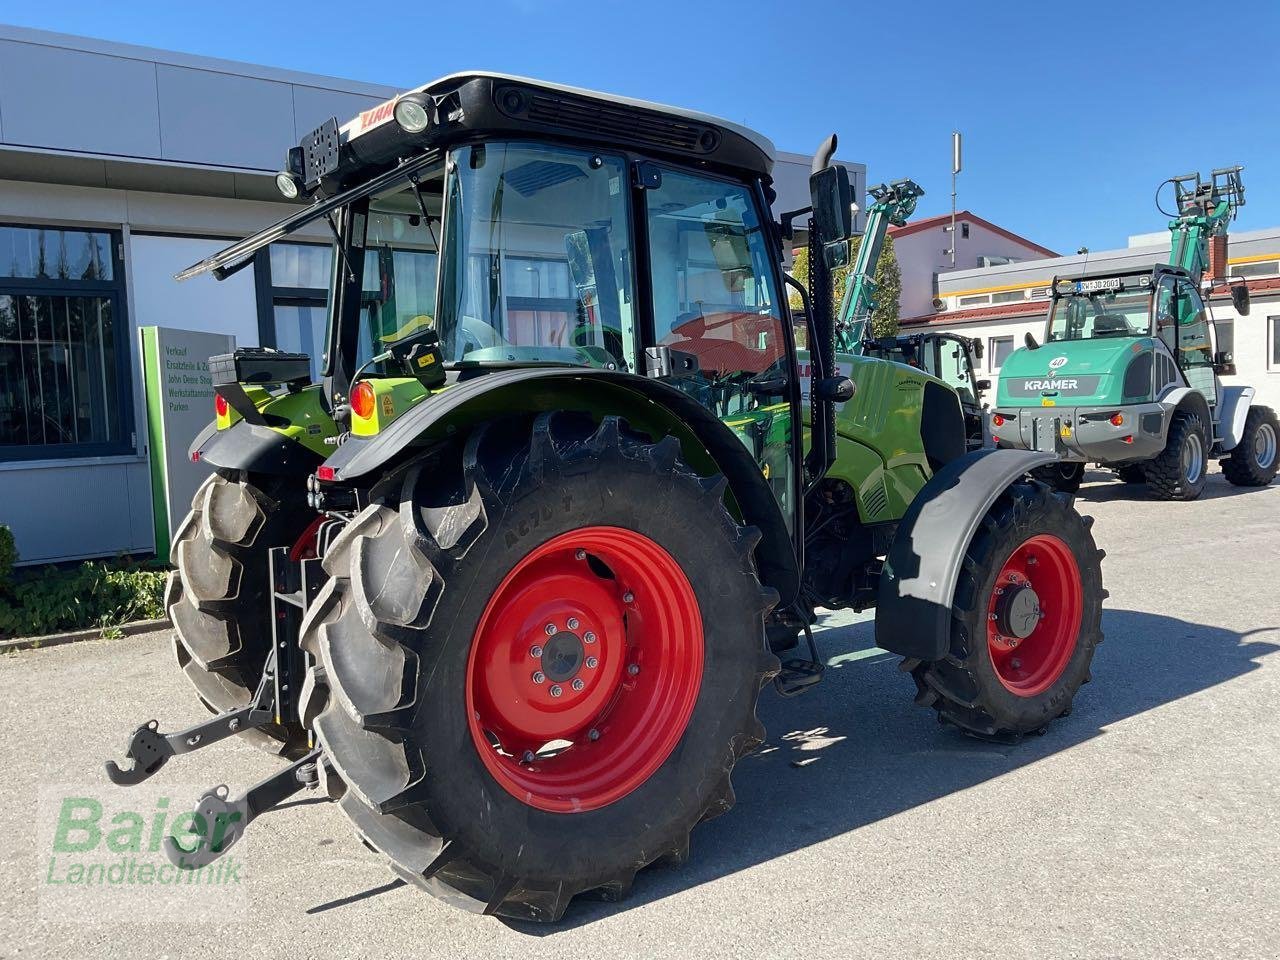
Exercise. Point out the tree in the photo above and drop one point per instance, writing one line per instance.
(888, 278)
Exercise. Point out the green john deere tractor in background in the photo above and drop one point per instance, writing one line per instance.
(506, 583)
(1128, 374)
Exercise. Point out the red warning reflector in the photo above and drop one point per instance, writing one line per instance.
(327, 473)
(1128, 439)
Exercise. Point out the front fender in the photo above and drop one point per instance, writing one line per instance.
(503, 392)
(913, 609)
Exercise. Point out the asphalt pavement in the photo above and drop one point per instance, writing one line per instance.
(1144, 825)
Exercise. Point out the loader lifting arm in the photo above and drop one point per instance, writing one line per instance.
(894, 203)
(1204, 211)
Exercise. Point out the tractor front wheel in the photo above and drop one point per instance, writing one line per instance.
(541, 655)
(1025, 619)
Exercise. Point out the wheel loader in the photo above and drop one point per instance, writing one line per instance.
(1128, 374)
(507, 582)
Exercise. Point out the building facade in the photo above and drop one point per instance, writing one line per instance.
(119, 166)
(999, 305)
(923, 249)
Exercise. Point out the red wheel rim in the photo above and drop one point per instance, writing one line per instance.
(1034, 614)
(584, 669)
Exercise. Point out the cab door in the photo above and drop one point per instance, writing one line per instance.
(718, 309)
(1195, 340)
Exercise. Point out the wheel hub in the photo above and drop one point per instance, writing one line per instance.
(1018, 611)
(562, 656)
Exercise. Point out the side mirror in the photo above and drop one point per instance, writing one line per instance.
(831, 194)
(834, 389)
(1030, 340)
(978, 349)
(1240, 298)
(984, 385)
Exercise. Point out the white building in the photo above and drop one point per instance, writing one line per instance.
(1000, 304)
(923, 249)
(120, 165)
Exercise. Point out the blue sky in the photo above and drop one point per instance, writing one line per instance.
(1072, 113)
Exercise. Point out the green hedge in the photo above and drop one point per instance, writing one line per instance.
(93, 594)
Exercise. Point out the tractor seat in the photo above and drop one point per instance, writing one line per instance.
(1110, 325)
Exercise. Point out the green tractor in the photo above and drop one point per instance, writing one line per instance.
(506, 583)
(1128, 374)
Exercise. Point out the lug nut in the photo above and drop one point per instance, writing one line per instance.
(539, 677)
(555, 691)
(573, 623)
(535, 651)
(578, 684)
(549, 629)
(591, 663)
(580, 554)
(588, 637)
(633, 669)
(1013, 578)
(992, 616)
(999, 591)
(628, 597)
(593, 734)
(527, 757)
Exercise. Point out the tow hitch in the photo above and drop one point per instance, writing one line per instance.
(218, 820)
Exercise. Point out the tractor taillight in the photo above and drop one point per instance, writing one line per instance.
(325, 473)
(362, 400)
(220, 405)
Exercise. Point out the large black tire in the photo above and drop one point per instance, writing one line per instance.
(412, 577)
(1131, 473)
(1063, 475)
(973, 687)
(219, 597)
(1255, 459)
(1178, 471)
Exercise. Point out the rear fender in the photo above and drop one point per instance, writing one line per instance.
(648, 404)
(1233, 407)
(913, 609)
(258, 449)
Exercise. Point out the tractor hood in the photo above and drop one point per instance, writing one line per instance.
(1071, 373)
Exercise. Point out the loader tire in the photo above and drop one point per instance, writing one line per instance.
(1132, 473)
(219, 597)
(1254, 460)
(1063, 475)
(542, 653)
(1178, 471)
(1025, 619)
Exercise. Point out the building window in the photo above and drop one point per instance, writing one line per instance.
(64, 346)
(1265, 268)
(974, 300)
(1009, 296)
(293, 297)
(964, 231)
(998, 348)
(1274, 353)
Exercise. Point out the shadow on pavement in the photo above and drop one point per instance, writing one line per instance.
(1103, 487)
(856, 750)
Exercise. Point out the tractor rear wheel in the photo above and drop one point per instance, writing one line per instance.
(219, 597)
(1255, 459)
(1025, 619)
(541, 655)
(1178, 471)
(1063, 475)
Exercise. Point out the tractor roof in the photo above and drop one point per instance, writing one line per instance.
(478, 104)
